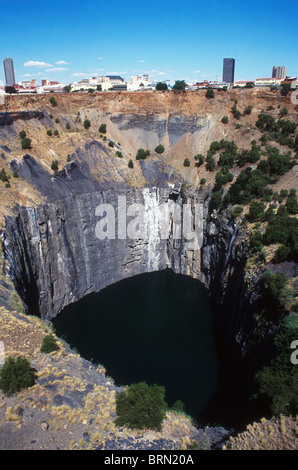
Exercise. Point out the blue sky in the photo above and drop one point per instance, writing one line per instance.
(173, 40)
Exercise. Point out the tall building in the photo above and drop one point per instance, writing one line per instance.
(9, 72)
(228, 70)
(279, 72)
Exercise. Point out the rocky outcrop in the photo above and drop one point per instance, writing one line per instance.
(8, 118)
(154, 129)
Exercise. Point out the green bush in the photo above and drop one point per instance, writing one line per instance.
(179, 85)
(3, 176)
(199, 159)
(249, 156)
(87, 123)
(111, 143)
(103, 128)
(68, 159)
(67, 126)
(186, 162)
(15, 375)
(49, 344)
(210, 163)
(56, 132)
(22, 135)
(130, 164)
(250, 183)
(216, 200)
(283, 229)
(265, 122)
(236, 113)
(57, 121)
(209, 93)
(178, 406)
(291, 204)
(285, 88)
(256, 211)
(282, 254)
(277, 383)
(142, 154)
(26, 143)
(247, 110)
(159, 149)
(277, 163)
(161, 86)
(53, 101)
(283, 111)
(119, 154)
(225, 120)
(237, 211)
(223, 177)
(49, 132)
(141, 406)
(286, 127)
(54, 165)
(256, 241)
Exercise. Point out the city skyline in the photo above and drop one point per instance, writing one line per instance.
(67, 42)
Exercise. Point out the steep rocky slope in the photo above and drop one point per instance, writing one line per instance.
(51, 248)
(185, 124)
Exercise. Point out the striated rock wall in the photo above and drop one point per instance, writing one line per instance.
(56, 255)
(8, 118)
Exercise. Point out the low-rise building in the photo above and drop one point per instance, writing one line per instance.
(82, 86)
(267, 82)
(27, 86)
(243, 83)
(199, 85)
(106, 83)
(115, 79)
(139, 83)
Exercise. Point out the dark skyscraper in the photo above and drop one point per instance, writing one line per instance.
(9, 72)
(228, 70)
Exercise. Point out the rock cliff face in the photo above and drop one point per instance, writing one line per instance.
(62, 251)
(58, 254)
(8, 118)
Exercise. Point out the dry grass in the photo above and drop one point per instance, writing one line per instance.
(278, 433)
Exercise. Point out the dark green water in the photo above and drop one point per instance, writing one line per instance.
(156, 328)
